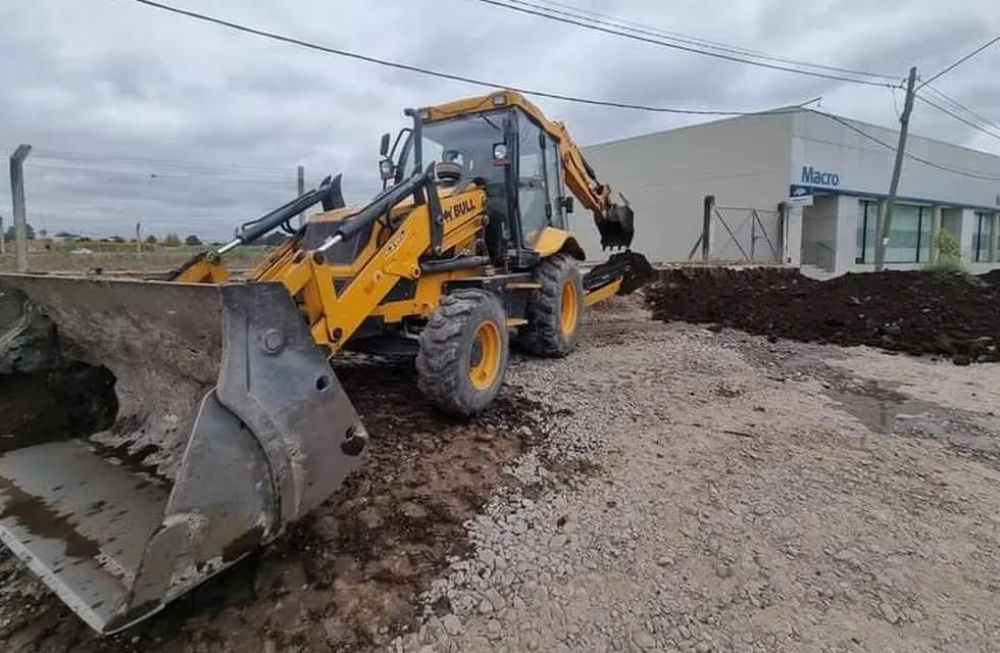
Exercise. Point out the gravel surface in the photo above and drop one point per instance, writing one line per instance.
(666, 487)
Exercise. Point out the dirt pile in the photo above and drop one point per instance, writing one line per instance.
(917, 312)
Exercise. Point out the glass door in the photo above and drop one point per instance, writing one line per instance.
(532, 189)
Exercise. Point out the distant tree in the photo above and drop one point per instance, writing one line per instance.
(192, 240)
(949, 253)
(9, 236)
(150, 239)
(117, 239)
(172, 240)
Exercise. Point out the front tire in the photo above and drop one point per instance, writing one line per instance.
(463, 353)
(555, 310)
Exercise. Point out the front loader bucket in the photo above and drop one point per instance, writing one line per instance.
(158, 432)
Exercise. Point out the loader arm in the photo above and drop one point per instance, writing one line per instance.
(334, 316)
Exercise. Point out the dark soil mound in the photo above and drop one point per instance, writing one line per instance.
(948, 314)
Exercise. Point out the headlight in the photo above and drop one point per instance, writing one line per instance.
(500, 152)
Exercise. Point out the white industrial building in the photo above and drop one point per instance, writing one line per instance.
(836, 170)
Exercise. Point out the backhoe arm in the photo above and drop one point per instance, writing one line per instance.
(614, 221)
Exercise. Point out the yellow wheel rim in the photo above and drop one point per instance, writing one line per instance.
(484, 363)
(569, 311)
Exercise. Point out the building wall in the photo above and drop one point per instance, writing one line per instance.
(751, 161)
(864, 167)
(742, 161)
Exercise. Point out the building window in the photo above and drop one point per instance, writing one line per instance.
(983, 235)
(866, 232)
(909, 234)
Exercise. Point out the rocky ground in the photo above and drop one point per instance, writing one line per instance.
(668, 487)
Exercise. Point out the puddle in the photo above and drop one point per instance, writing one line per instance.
(884, 410)
(878, 407)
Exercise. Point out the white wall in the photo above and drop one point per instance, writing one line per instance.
(742, 161)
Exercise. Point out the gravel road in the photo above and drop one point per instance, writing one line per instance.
(666, 487)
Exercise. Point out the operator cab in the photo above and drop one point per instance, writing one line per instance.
(506, 152)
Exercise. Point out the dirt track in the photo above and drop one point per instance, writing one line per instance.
(667, 487)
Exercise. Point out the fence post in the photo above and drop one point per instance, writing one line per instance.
(782, 226)
(17, 199)
(706, 228)
(301, 178)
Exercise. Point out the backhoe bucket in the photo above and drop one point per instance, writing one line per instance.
(153, 433)
(616, 226)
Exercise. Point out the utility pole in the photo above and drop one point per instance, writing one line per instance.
(17, 199)
(890, 203)
(302, 190)
(3, 238)
(138, 238)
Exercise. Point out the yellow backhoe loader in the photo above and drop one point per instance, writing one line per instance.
(155, 432)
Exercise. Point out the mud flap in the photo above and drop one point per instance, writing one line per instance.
(271, 434)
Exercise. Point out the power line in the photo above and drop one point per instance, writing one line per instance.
(556, 96)
(160, 175)
(959, 62)
(957, 171)
(956, 116)
(677, 46)
(947, 99)
(434, 73)
(613, 21)
(99, 157)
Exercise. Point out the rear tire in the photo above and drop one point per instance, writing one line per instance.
(463, 353)
(555, 310)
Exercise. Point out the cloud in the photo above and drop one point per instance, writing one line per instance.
(137, 115)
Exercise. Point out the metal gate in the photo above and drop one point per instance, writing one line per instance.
(740, 233)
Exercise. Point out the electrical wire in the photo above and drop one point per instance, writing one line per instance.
(959, 62)
(480, 82)
(434, 73)
(613, 21)
(956, 116)
(45, 165)
(194, 166)
(950, 101)
(676, 46)
(858, 130)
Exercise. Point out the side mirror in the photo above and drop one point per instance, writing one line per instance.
(386, 169)
(567, 204)
(383, 147)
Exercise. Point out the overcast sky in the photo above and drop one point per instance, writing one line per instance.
(138, 115)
